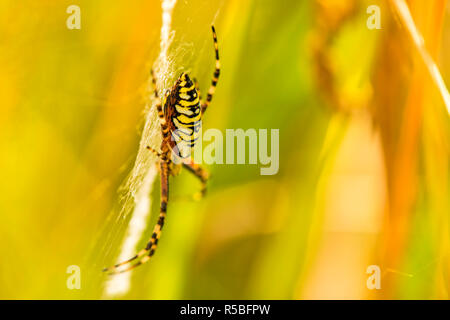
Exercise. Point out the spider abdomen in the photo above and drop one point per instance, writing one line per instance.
(185, 116)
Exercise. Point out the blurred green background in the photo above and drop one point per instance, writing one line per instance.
(364, 150)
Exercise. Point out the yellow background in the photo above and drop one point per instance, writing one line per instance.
(364, 150)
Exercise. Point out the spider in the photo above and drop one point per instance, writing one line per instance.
(180, 114)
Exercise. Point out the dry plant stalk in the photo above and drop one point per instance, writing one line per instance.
(401, 94)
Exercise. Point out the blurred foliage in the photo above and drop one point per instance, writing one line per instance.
(364, 150)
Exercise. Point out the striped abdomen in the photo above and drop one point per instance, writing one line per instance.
(185, 116)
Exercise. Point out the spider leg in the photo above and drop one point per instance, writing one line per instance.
(197, 87)
(159, 108)
(156, 153)
(146, 253)
(216, 74)
(201, 174)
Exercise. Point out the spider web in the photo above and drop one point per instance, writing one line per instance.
(136, 191)
(140, 182)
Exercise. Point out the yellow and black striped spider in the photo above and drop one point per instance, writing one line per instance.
(180, 115)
